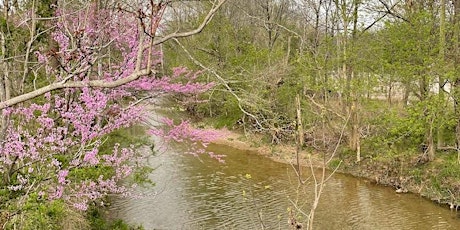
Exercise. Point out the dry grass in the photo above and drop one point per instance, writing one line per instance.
(74, 220)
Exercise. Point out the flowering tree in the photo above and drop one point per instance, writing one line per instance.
(87, 84)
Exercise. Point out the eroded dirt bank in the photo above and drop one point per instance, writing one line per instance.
(397, 173)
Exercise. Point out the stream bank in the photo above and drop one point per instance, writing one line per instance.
(436, 181)
(251, 190)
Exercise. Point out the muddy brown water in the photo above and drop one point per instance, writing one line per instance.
(201, 193)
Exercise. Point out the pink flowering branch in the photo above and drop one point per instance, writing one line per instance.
(111, 84)
(73, 84)
(197, 139)
(48, 143)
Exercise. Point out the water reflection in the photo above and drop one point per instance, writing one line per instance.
(200, 193)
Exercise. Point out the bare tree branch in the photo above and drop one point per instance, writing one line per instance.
(389, 10)
(205, 22)
(73, 84)
(110, 84)
(223, 81)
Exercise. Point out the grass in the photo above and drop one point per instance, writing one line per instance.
(98, 221)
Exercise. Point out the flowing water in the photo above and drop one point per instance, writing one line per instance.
(252, 192)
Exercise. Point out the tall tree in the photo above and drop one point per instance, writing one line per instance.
(456, 61)
(348, 11)
(441, 69)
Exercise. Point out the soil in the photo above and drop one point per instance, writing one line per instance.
(383, 173)
(283, 153)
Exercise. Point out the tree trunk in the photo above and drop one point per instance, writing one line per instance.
(5, 83)
(390, 91)
(300, 136)
(456, 82)
(355, 136)
(406, 94)
(431, 150)
(442, 48)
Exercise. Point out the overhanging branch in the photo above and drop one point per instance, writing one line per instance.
(111, 84)
(205, 22)
(73, 84)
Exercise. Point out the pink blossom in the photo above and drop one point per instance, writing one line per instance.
(91, 157)
(63, 131)
(57, 193)
(81, 206)
(62, 175)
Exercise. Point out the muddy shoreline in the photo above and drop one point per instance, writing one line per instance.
(384, 174)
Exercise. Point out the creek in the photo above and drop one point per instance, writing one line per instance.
(250, 190)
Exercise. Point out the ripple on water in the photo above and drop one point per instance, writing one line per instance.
(193, 193)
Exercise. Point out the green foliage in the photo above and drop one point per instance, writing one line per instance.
(16, 37)
(448, 166)
(132, 136)
(411, 128)
(417, 175)
(399, 56)
(406, 129)
(45, 8)
(38, 213)
(285, 95)
(100, 222)
(91, 173)
(334, 163)
(43, 215)
(225, 111)
(141, 176)
(251, 69)
(125, 137)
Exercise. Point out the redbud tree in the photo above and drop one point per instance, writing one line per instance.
(96, 74)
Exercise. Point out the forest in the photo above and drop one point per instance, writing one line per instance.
(373, 83)
(387, 71)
